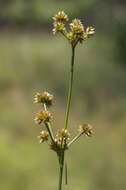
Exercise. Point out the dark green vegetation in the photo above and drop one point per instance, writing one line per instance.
(33, 60)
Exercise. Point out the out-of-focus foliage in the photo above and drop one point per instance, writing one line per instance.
(33, 60)
(38, 11)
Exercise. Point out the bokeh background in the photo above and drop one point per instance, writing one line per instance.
(33, 60)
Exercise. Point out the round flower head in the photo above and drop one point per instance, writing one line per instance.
(43, 136)
(43, 97)
(63, 133)
(58, 27)
(43, 116)
(60, 17)
(86, 129)
(77, 27)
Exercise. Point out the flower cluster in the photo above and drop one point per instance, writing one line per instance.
(76, 33)
(43, 136)
(60, 17)
(60, 142)
(76, 26)
(44, 98)
(59, 20)
(86, 129)
(43, 116)
(62, 134)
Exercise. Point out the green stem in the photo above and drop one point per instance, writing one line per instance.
(49, 128)
(61, 162)
(66, 177)
(61, 165)
(70, 87)
(74, 139)
(50, 131)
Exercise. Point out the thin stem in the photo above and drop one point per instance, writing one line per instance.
(74, 139)
(61, 164)
(70, 87)
(45, 108)
(49, 131)
(66, 177)
(49, 128)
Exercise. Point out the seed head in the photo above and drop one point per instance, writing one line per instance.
(43, 136)
(43, 97)
(43, 116)
(63, 133)
(58, 27)
(86, 129)
(60, 17)
(77, 32)
(76, 26)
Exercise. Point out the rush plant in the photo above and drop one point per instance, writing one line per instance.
(61, 141)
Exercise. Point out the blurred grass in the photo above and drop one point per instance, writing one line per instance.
(32, 62)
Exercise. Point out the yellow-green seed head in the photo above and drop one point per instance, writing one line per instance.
(43, 136)
(86, 129)
(43, 116)
(43, 97)
(76, 26)
(60, 17)
(58, 27)
(63, 133)
(77, 32)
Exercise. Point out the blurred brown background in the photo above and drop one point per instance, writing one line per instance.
(33, 60)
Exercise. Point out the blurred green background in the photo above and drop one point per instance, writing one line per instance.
(33, 60)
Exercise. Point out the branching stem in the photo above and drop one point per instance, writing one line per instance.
(74, 139)
(49, 128)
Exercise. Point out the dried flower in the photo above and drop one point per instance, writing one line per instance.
(90, 31)
(43, 116)
(86, 129)
(43, 97)
(43, 136)
(60, 17)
